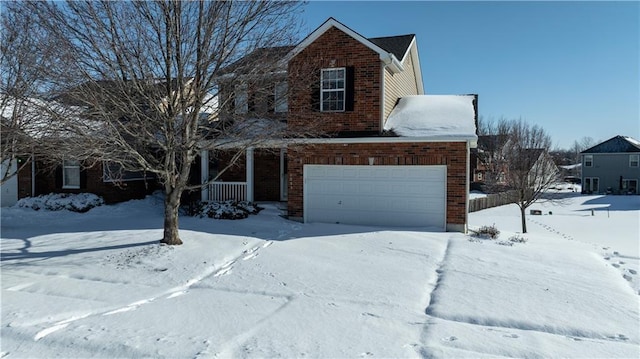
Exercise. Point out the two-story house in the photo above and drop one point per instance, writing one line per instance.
(612, 166)
(389, 154)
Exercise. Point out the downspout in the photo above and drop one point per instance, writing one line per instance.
(33, 174)
(466, 191)
(382, 96)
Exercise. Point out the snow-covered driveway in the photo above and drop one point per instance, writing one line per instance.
(98, 284)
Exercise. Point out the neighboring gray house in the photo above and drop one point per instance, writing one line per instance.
(612, 166)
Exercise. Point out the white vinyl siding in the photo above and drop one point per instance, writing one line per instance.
(399, 85)
(588, 160)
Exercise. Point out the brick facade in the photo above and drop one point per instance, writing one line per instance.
(451, 154)
(49, 181)
(266, 172)
(335, 49)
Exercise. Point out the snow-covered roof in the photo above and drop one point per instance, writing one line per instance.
(438, 117)
(36, 117)
(571, 167)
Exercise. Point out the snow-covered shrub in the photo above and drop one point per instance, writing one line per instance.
(505, 243)
(513, 240)
(226, 209)
(81, 202)
(488, 232)
(517, 239)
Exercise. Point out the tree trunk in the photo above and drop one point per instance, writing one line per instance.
(171, 207)
(523, 219)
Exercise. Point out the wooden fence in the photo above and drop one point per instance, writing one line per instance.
(491, 200)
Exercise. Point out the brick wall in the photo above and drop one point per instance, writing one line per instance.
(335, 49)
(46, 183)
(451, 154)
(266, 172)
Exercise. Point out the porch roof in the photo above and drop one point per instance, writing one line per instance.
(434, 116)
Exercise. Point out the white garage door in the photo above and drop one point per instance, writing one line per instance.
(375, 195)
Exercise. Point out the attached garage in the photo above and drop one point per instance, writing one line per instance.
(376, 195)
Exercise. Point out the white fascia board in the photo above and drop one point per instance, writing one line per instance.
(415, 59)
(386, 57)
(275, 143)
(472, 140)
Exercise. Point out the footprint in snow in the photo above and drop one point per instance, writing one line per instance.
(514, 336)
(223, 271)
(632, 271)
(249, 256)
(615, 265)
(449, 339)
(621, 337)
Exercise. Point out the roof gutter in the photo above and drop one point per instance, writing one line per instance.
(471, 140)
(392, 62)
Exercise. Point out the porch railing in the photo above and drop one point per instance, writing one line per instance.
(222, 191)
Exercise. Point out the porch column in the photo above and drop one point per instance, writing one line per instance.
(204, 175)
(250, 174)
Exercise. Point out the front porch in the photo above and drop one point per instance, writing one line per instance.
(260, 175)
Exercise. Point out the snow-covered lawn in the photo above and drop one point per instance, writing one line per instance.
(98, 284)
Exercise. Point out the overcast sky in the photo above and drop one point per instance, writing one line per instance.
(570, 67)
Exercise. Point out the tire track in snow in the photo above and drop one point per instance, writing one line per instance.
(501, 326)
(421, 348)
(224, 269)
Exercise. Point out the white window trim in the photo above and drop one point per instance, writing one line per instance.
(280, 100)
(588, 158)
(70, 165)
(241, 99)
(632, 159)
(590, 179)
(343, 89)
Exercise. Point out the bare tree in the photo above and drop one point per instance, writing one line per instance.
(492, 138)
(530, 171)
(147, 75)
(518, 161)
(24, 56)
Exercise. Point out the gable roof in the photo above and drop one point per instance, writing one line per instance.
(388, 57)
(617, 144)
(397, 45)
(438, 117)
(260, 57)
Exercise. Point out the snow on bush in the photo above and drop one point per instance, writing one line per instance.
(487, 232)
(227, 209)
(81, 202)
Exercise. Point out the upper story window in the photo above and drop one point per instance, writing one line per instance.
(634, 160)
(280, 96)
(241, 99)
(332, 89)
(70, 174)
(588, 160)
